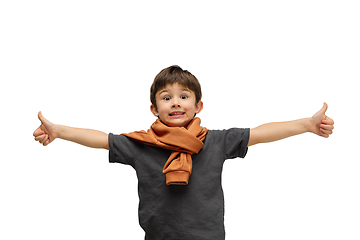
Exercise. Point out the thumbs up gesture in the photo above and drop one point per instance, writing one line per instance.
(46, 133)
(321, 124)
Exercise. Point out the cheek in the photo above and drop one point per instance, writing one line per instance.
(189, 108)
(162, 111)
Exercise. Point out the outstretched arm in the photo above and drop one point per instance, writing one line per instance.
(319, 124)
(48, 132)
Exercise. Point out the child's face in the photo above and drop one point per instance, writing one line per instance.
(176, 105)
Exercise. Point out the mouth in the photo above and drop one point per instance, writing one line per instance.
(176, 114)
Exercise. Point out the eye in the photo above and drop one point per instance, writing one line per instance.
(184, 96)
(167, 98)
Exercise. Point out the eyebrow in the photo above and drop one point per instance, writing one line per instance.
(186, 89)
(165, 90)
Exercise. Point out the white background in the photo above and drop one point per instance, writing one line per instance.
(90, 64)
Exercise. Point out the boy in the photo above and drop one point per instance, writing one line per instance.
(178, 162)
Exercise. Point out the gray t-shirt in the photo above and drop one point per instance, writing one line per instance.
(177, 212)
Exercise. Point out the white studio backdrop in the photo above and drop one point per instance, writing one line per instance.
(90, 64)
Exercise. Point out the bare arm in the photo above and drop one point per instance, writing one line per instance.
(87, 137)
(48, 132)
(271, 132)
(319, 124)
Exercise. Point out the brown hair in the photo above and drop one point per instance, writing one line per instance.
(171, 75)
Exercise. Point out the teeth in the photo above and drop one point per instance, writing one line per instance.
(179, 113)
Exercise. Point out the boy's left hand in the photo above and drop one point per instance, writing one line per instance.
(321, 124)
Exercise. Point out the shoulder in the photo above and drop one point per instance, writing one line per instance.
(123, 149)
(232, 142)
(119, 140)
(230, 134)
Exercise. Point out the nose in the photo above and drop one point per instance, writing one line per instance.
(175, 103)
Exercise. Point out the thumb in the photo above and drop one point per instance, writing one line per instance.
(41, 118)
(324, 108)
(321, 112)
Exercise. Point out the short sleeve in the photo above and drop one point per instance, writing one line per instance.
(233, 142)
(123, 150)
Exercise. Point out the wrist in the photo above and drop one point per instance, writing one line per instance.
(308, 124)
(57, 131)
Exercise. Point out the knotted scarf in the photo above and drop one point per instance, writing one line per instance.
(183, 141)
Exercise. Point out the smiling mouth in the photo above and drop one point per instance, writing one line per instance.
(176, 114)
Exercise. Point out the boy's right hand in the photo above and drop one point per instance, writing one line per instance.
(46, 133)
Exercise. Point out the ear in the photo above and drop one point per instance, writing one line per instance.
(154, 110)
(199, 107)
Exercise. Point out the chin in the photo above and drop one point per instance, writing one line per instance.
(172, 123)
(177, 124)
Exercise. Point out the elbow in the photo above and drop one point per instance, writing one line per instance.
(253, 137)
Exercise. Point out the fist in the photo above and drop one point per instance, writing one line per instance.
(46, 133)
(321, 124)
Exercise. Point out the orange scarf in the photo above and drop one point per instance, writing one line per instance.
(183, 141)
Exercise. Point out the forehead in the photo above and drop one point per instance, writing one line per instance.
(172, 87)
